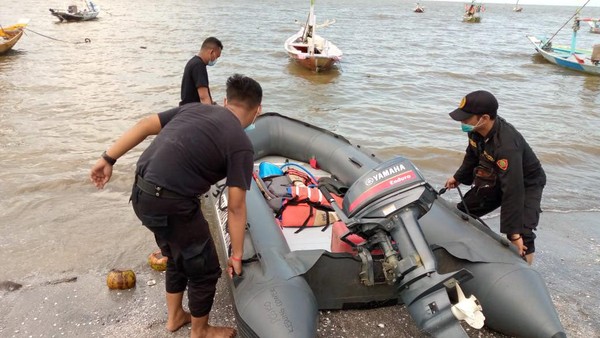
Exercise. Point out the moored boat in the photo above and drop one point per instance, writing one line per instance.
(309, 49)
(10, 35)
(570, 57)
(473, 12)
(73, 13)
(419, 9)
(517, 8)
(394, 240)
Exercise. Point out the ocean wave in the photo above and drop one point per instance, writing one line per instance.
(572, 211)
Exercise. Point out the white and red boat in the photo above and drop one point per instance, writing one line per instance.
(310, 50)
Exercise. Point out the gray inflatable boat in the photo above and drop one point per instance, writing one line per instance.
(416, 249)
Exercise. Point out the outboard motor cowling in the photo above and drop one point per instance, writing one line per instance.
(384, 189)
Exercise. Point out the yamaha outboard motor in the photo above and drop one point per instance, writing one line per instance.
(384, 206)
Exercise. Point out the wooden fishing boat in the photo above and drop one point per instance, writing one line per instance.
(473, 12)
(310, 50)
(10, 35)
(587, 61)
(419, 9)
(73, 13)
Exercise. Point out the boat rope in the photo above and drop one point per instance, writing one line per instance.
(86, 40)
(563, 26)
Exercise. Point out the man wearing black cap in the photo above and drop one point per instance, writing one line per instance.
(502, 169)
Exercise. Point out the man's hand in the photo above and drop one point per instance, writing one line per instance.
(101, 173)
(451, 183)
(234, 264)
(518, 242)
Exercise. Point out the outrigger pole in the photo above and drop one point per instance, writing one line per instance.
(563, 26)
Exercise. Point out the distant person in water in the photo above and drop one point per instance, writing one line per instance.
(196, 145)
(471, 10)
(194, 83)
(502, 169)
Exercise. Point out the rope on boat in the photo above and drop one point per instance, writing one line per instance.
(563, 26)
(86, 40)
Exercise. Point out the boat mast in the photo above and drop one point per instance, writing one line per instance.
(566, 22)
(311, 30)
(576, 27)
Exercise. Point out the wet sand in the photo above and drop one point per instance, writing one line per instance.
(568, 257)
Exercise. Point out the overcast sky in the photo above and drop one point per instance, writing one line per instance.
(575, 3)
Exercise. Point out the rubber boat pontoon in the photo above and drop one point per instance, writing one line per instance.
(413, 247)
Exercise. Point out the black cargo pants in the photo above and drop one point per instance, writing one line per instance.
(481, 201)
(182, 234)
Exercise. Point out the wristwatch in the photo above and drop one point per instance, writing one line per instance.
(108, 159)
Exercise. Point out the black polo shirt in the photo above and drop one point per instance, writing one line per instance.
(197, 146)
(194, 77)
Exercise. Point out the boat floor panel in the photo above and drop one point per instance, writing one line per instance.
(308, 238)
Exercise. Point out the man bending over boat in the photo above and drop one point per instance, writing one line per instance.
(502, 169)
(194, 83)
(196, 145)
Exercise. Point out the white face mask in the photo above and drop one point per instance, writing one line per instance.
(252, 126)
(212, 62)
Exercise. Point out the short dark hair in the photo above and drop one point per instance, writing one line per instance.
(212, 42)
(244, 90)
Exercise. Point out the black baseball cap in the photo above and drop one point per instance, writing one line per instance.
(476, 103)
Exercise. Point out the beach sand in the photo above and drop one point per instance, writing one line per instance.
(568, 258)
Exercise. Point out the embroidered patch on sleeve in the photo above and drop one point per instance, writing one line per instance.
(502, 164)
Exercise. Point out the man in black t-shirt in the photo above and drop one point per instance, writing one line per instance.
(194, 83)
(196, 146)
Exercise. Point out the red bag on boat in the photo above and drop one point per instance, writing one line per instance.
(305, 215)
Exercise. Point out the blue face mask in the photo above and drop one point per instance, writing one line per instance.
(212, 62)
(467, 128)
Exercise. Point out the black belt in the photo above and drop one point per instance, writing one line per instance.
(155, 190)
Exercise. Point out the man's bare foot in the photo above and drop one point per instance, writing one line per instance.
(215, 332)
(179, 320)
